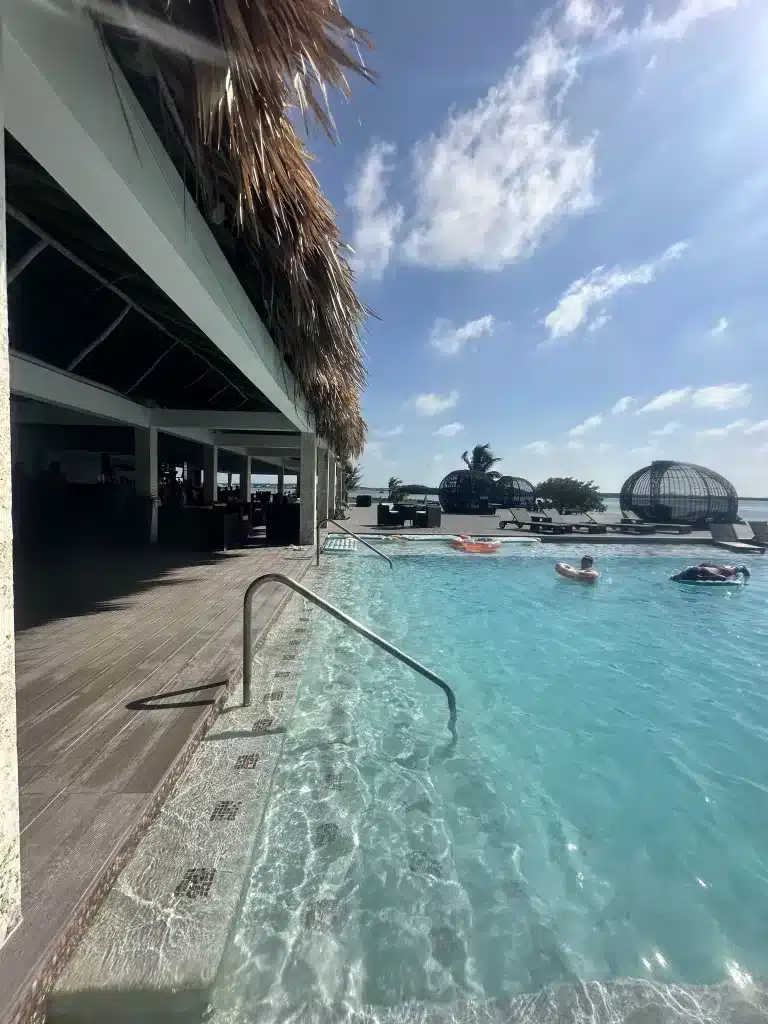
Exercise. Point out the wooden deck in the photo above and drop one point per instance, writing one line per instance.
(121, 658)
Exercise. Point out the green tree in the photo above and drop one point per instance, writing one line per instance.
(397, 491)
(482, 460)
(353, 476)
(564, 492)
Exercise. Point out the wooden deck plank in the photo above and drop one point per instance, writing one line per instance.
(90, 765)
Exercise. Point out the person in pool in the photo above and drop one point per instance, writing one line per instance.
(710, 572)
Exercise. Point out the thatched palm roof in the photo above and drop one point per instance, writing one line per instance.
(232, 71)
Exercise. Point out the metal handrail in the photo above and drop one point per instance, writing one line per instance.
(344, 528)
(337, 613)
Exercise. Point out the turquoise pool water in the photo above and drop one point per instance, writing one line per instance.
(602, 816)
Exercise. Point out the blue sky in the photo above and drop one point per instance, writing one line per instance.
(560, 216)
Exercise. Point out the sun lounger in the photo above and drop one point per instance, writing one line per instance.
(736, 537)
(760, 530)
(519, 517)
(615, 521)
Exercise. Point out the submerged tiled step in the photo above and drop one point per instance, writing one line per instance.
(340, 542)
(154, 948)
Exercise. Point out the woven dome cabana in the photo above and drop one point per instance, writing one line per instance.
(515, 492)
(466, 490)
(679, 492)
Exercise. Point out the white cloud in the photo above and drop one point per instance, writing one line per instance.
(644, 449)
(437, 458)
(589, 294)
(723, 431)
(586, 17)
(540, 447)
(723, 396)
(500, 176)
(599, 322)
(449, 339)
(589, 424)
(682, 19)
(667, 429)
(721, 326)
(575, 445)
(758, 428)
(376, 223)
(623, 405)
(394, 432)
(449, 430)
(604, 446)
(431, 404)
(666, 400)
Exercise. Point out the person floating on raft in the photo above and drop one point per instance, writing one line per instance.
(586, 574)
(709, 572)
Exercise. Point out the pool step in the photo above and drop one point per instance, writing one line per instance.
(340, 542)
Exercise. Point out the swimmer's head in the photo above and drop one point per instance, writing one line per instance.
(586, 562)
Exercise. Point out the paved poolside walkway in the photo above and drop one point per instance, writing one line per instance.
(363, 520)
(121, 658)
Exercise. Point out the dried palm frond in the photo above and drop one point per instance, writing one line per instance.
(271, 56)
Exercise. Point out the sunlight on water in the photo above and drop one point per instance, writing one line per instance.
(601, 817)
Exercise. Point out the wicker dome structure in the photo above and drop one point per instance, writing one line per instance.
(679, 492)
(515, 492)
(466, 490)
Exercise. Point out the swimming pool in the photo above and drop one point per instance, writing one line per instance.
(602, 815)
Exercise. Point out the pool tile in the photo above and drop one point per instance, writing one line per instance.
(196, 883)
(225, 810)
(247, 761)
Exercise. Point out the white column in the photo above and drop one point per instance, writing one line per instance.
(322, 483)
(146, 471)
(10, 873)
(332, 502)
(280, 482)
(308, 513)
(339, 482)
(210, 473)
(244, 467)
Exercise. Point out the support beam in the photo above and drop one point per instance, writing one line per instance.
(69, 393)
(212, 419)
(256, 439)
(210, 473)
(70, 106)
(332, 502)
(308, 511)
(275, 453)
(10, 871)
(147, 472)
(34, 379)
(280, 482)
(26, 259)
(245, 477)
(102, 337)
(322, 483)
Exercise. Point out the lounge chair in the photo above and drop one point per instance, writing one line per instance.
(519, 517)
(760, 530)
(583, 521)
(624, 523)
(553, 523)
(736, 537)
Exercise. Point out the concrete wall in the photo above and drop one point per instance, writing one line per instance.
(10, 875)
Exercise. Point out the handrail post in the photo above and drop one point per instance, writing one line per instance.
(357, 537)
(337, 613)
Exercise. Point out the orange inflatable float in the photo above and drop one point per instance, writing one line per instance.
(475, 547)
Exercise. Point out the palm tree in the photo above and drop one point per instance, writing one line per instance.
(353, 475)
(482, 460)
(397, 491)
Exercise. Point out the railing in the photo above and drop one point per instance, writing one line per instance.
(361, 539)
(337, 613)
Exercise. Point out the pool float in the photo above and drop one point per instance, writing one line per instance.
(710, 583)
(475, 547)
(570, 572)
